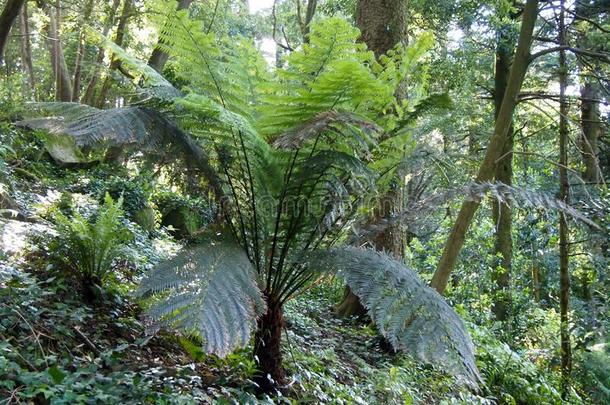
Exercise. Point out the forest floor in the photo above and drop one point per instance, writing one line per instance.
(55, 348)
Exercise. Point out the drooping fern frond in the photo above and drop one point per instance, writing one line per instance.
(209, 290)
(360, 129)
(90, 126)
(500, 192)
(412, 316)
(136, 128)
(150, 82)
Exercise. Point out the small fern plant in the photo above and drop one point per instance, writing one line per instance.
(89, 245)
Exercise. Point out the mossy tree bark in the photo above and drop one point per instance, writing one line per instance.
(89, 96)
(115, 62)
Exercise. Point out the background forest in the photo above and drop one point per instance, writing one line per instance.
(304, 201)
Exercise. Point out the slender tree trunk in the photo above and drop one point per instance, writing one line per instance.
(159, 57)
(7, 18)
(501, 212)
(26, 50)
(79, 52)
(115, 63)
(486, 172)
(564, 276)
(309, 13)
(63, 85)
(267, 348)
(89, 96)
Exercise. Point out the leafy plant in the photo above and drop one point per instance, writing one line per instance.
(90, 245)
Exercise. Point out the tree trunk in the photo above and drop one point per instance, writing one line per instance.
(591, 121)
(7, 18)
(159, 57)
(564, 276)
(382, 24)
(501, 212)
(89, 96)
(309, 13)
(486, 172)
(79, 52)
(26, 50)
(63, 85)
(115, 63)
(267, 348)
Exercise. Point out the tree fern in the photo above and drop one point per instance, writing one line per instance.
(412, 316)
(208, 289)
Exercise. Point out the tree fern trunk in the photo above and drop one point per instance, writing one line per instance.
(267, 348)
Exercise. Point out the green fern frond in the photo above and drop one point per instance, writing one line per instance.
(138, 128)
(209, 290)
(333, 71)
(412, 316)
(500, 192)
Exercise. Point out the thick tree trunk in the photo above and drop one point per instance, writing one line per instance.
(267, 348)
(501, 212)
(591, 121)
(7, 18)
(382, 23)
(564, 276)
(115, 63)
(63, 85)
(89, 96)
(159, 57)
(26, 50)
(486, 172)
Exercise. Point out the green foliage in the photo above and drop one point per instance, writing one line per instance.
(208, 290)
(515, 378)
(90, 245)
(412, 316)
(186, 215)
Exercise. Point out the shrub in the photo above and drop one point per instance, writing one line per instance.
(91, 244)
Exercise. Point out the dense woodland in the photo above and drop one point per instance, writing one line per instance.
(304, 201)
